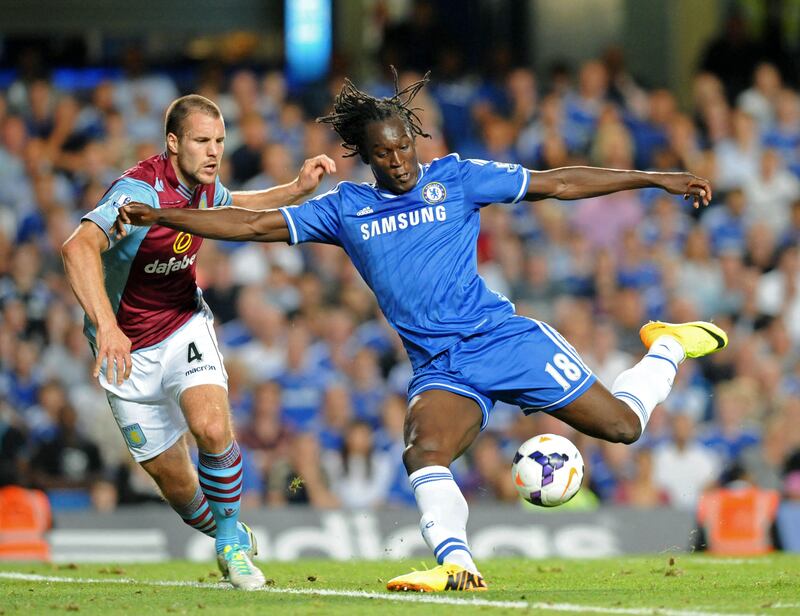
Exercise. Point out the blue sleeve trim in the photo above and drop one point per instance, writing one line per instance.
(222, 196)
(526, 177)
(132, 184)
(289, 223)
(121, 192)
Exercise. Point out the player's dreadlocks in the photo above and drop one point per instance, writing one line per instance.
(353, 109)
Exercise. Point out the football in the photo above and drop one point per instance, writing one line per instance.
(547, 470)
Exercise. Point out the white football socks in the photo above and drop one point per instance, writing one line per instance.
(444, 515)
(649, 382)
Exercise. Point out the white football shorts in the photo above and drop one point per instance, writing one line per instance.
(147, 404)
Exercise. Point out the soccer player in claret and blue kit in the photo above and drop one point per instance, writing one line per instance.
(152, 333)
(412, 236)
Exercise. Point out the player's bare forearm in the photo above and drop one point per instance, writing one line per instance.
(306, 182)
(225, 223)
(271, 198)
(84, 269)
(585, 182)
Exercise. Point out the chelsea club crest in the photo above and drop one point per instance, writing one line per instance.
(434, 192)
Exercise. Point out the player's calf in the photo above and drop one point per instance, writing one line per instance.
(600, 414)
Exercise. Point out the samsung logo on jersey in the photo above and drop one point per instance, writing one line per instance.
(390, 224)
(167, 267)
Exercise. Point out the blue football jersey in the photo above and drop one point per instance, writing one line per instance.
(418, 251)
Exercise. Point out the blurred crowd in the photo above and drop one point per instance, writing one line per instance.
(317, 377)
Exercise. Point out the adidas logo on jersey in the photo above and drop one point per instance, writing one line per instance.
(364, 211)
(167, 267)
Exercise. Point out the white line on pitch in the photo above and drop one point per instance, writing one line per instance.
(362, 594)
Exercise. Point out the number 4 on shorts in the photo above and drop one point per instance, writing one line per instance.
(194, 354)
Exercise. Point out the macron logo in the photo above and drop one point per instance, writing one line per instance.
(159, 185)
(364, 211)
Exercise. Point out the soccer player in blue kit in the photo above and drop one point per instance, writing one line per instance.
(412, 236)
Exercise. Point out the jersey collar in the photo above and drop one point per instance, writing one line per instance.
(172, 178)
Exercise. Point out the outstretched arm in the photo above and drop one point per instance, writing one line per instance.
(584, 182)
(222, 223)
(248, 220)
(84, 268)
(303, 185)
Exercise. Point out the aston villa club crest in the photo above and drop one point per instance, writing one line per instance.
(434, 193)
(134, 436)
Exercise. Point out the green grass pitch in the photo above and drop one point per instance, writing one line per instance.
(670, 585)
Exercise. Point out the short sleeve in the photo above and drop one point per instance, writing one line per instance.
(316, 220)
(222, 196)
(487, 182)
(126, 190)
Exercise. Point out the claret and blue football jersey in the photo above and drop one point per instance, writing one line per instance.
(150, 273)
(418, 251)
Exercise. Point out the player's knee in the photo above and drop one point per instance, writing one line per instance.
(625, 428)
(212, 436)
(424, 452)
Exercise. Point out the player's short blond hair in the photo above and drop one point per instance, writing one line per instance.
(179, 110)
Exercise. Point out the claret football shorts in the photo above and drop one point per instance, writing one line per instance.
(147, 405)
(521, 361)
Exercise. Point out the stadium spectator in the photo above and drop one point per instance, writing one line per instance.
(784, 135)
(220, 289)
(699, 278)
(488, 478)
(641, 490)
(759, 99)
(390, 440)
(736, 409)
(300, 478)
(603, 355)
(65, 459)
(246, 159)
(770, 191)
(302, 384)
(264, 436)
(684, 467)
(13, 448)
(764, 462)
(337, 415)
(275, 166)
(367, 386)
(737, 518)
(360, 472)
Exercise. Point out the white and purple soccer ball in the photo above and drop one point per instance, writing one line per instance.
(547, 470)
